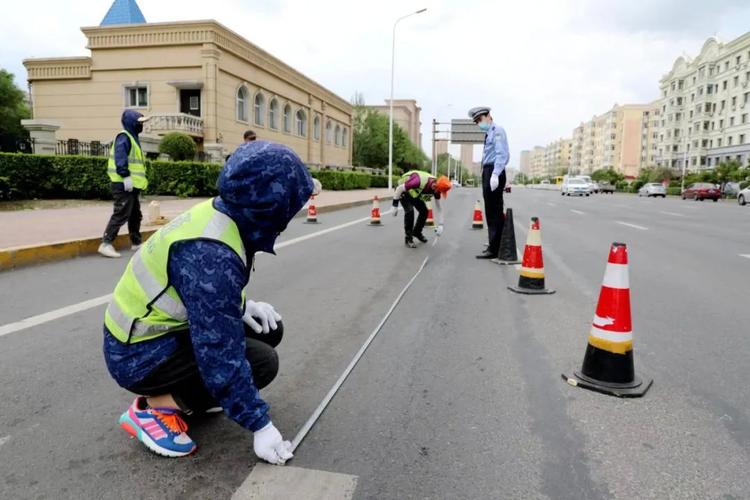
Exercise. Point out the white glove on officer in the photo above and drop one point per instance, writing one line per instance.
(395, 211)
(439, 230)
(494, 182)
(264, 312)
(270, 446)
(127, 183)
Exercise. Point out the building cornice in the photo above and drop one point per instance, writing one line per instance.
(58, 68)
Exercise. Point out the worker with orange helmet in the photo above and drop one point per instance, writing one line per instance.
(414, 189)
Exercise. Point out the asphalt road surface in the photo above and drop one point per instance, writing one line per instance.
(459, 396)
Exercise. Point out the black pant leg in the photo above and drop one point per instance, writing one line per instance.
(408, 204)
(493, 208)
(421, 208)
(134, 221)
(123, 205)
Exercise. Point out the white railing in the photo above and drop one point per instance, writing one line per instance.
(175, 122)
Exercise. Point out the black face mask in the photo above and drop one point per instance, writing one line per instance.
(138, 128)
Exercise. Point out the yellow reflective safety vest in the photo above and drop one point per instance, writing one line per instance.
(144, 304)
(424, 178)
(136, 164)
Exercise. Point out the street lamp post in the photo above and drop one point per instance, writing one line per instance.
(390, 119)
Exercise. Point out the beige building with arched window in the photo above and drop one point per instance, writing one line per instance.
(195, 77)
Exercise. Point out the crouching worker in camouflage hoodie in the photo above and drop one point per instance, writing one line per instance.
(179, 331)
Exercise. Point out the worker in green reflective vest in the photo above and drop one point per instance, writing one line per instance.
(127, 173)
(414, 189)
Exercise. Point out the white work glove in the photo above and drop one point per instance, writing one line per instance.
(439, 230)
(127, 183)
(270, 446)
(265, 312)
(494, 182)
(395, 211)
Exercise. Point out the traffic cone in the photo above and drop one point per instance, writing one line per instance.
(531, 279)
(478, 222)
(608, 362)
(430, 221)
(312, 212)
(375, 212)
(508, 253)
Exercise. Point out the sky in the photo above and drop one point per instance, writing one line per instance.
(543, 66)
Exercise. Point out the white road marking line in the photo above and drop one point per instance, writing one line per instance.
(104, 299)
(634, 226)
(746, 255)
(552, 204)
(577, 211)
(671, 213)
(4, 440)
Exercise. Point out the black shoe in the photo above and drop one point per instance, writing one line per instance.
(421, 237)
(487, 255)
(410, 243)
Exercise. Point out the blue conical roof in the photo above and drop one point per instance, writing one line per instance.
(123, 12)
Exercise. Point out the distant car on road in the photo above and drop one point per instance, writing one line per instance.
(743, 197)
(545, 181)
(594, 187)
(653, 189)
(575, 186)
(606, 187)
(702, 191)
(731, 188)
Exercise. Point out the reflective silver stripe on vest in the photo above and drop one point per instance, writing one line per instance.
(137, 174)
(216, 227)
(120, 318)
(152, 287)
(125, 323)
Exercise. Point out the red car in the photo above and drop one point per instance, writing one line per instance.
(702, 191)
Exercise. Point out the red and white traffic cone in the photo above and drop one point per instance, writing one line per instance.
(312, 212)
(375, 212)
(430, 221)
(531, 279)
(478, 221)
(608, 362)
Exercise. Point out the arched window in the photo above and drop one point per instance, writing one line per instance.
(316, 128)
(260, 108)
(287, 118)
(329, 132)
(345, 137)
(242, 104)
(338, 135)
(301, 119)
(273, 114)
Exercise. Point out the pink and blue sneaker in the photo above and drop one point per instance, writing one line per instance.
(162, 430)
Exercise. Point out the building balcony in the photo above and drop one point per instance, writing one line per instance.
(164, 123)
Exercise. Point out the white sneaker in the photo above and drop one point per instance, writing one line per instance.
(108, 250)
(136, 247)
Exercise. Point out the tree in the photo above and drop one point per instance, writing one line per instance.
(607, 174)
(178, 146)
(13, 107)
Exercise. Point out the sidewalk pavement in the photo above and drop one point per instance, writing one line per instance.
(32, 236)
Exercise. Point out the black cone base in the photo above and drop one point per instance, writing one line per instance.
(531, 291)
(609, 373)
(501, 262)
(311, 222)
(635, 389)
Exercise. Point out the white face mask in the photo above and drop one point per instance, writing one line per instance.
(485, 126)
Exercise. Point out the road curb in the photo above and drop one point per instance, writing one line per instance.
(22, 256)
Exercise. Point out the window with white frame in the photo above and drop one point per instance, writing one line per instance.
(329, 132)
(301, 122)
(242, 104)
(136, 96)
(338, 135)
(316, 128)
(273, 114)
(287, 119)
(260, 109)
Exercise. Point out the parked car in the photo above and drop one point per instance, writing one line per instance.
(594, 187)
(545, 181)
(731, 188)
(743, 197)
(575, 186)
(588, 181)
(653, 189)
(702, 191)
(606, 187)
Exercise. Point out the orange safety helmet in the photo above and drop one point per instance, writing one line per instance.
(443, 185)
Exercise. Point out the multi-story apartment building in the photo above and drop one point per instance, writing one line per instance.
(705, 107)
(525, 162)
(537, 161)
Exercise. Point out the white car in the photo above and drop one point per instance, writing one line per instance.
(653, 189)
(575, 186)
(743, 197)
(587, 180)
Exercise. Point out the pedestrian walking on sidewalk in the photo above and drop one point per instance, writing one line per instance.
(414, 189)
(180, 332)
(127, 172)
(494, 159)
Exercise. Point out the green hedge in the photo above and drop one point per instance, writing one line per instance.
(24, 176)
(674, 191)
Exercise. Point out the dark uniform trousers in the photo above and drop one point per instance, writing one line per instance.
(493, 207)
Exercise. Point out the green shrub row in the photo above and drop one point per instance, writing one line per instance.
(24, 176)
(674, 190)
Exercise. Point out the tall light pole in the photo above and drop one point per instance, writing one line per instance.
(390, 119)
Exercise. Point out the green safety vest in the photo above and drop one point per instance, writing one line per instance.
(424, 178)
(144, 304)
(135, 164)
